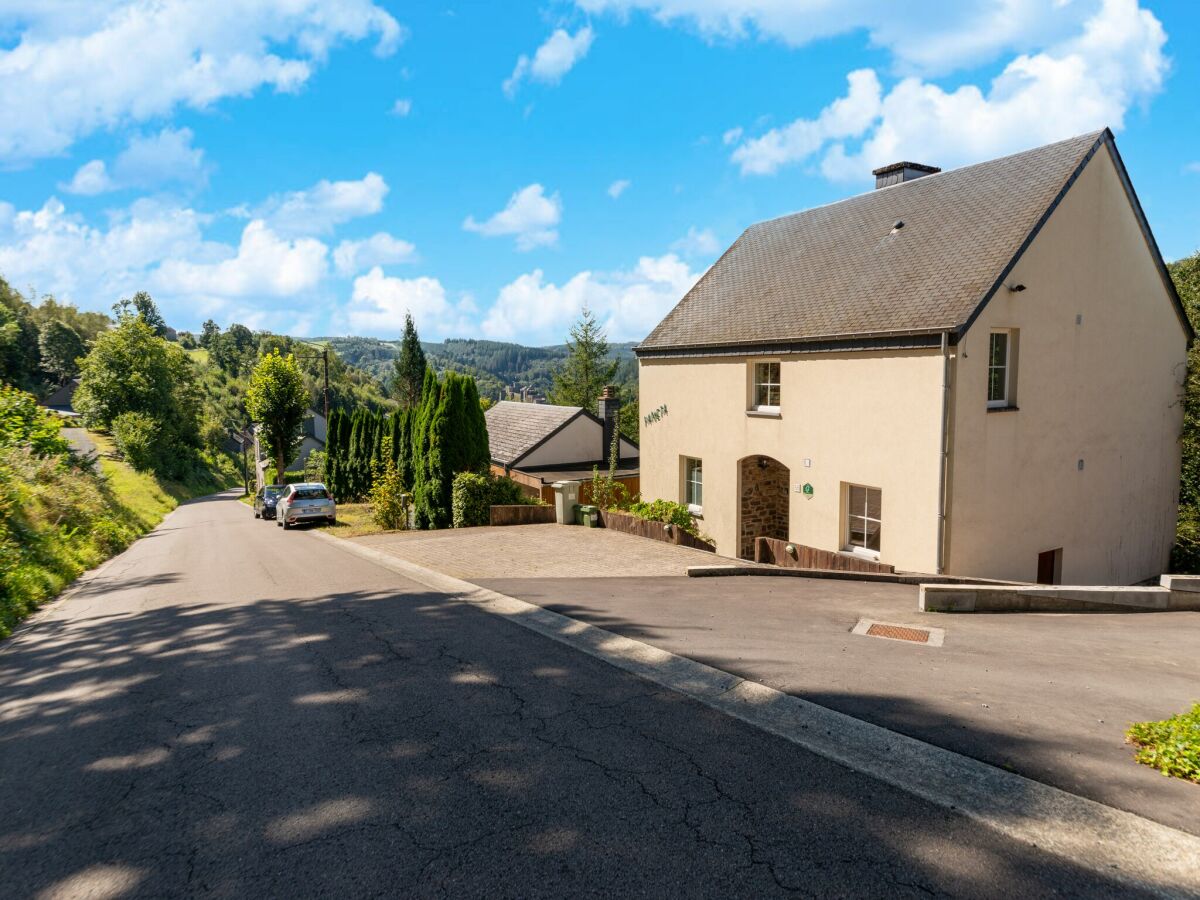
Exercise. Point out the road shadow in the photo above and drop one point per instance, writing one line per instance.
(394, 741)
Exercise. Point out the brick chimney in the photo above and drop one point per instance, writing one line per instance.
(610, 407)
(900, 172)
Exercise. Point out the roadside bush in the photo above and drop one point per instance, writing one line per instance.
(21, 422)
(668, 511)
(1185, 555)
(389, 501)
(471, 499)
(136, 435)
(506, 492)
(1172, 746)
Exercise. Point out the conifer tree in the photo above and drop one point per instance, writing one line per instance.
(587, 368)
(408, 374)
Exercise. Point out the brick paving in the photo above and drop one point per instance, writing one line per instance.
(539, 551)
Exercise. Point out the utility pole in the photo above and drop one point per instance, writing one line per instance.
(325, 361)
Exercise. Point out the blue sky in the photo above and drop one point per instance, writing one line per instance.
(323, 166)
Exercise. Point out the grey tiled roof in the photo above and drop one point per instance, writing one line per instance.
(514, 428)
(843, 270)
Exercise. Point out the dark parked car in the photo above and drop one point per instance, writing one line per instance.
(306, 503)
(265, 500)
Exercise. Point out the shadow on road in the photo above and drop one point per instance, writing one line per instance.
(406, 742)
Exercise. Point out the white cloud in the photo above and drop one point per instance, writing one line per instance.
(697, 242)
(1192, 167)
(552, 60)
(69, 69)
(166, 157)
(530, 216)
(941, 36)
(618, 187)
(380, 249)
(627, 303)
(402, 107)
(1079, 84)
(264, 264)
(732, 136)
(326, 204)
(380, 302)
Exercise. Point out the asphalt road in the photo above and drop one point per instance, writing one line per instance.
(228, 709)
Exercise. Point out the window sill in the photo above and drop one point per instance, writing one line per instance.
(1001, 409)
(860, 553)
(764, 413)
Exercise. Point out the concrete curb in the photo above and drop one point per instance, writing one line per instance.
(736, 569)
(964, 598)
(1117, 844)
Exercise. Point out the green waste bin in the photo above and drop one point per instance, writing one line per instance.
(589, 516)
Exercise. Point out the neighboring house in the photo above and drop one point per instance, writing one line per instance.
(315, 431)
(538, 444)
(62, 401)
(976, 372)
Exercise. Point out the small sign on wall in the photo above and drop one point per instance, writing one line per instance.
(654, 415)
(806, 489)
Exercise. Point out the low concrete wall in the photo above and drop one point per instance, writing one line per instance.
(521, 514)
(1054, 598)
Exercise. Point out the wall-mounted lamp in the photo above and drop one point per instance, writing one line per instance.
(1016, 288)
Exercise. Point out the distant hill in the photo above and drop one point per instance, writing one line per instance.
(496, 365)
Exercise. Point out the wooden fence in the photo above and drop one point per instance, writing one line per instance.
(521, 514)
(658, 531)
(774, 552)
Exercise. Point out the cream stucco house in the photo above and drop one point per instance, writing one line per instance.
(974, 372)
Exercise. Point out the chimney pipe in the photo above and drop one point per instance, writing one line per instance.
(899, 172)
(610, 407)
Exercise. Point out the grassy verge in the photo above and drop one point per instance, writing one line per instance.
(60, 520)
(1172, 746)
(354, 520)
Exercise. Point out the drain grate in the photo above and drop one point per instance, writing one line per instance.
(899, 633)
(893, 631)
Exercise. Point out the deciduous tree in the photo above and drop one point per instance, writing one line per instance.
(277, 401)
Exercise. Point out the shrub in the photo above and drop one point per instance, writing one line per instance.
(506, 492)
(471, 500)
(1172, 746)
(21, 422)
(137, 435)
(668, 511)
(1185, 555)
(389, 502)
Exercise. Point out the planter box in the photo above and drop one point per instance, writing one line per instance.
(774, 552)
(658, 531)
(521, 514)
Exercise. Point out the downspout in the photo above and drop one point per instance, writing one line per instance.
(943, 455)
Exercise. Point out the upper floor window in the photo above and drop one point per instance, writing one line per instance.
(766, 386)
(693, 484)
(999, 370)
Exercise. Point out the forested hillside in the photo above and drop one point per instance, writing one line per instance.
(496, 365)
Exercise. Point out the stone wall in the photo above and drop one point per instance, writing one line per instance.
(764, 502)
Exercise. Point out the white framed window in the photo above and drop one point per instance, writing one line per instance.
(999, 369)
(764, 395)
(693, 484)
(864, 519)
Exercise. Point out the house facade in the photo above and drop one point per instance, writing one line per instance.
(975, 373)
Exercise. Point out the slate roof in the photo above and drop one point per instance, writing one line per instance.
(515, 428)
(849, 271)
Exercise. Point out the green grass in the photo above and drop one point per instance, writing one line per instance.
(1172, 746)
(59, 522)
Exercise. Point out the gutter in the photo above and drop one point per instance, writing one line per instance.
(943, 455)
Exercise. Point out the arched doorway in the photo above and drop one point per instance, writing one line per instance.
(763, 511)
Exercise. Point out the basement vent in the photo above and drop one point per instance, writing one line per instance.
(913, 634)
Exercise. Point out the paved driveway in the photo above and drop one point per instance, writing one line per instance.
(1047, 695)
(539, 551)
(232, 710)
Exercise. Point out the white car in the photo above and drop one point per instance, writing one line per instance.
(305, 503)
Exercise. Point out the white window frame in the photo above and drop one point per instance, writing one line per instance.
(1005, 401)
(755, 384)
(693, 464)
(847, 545)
